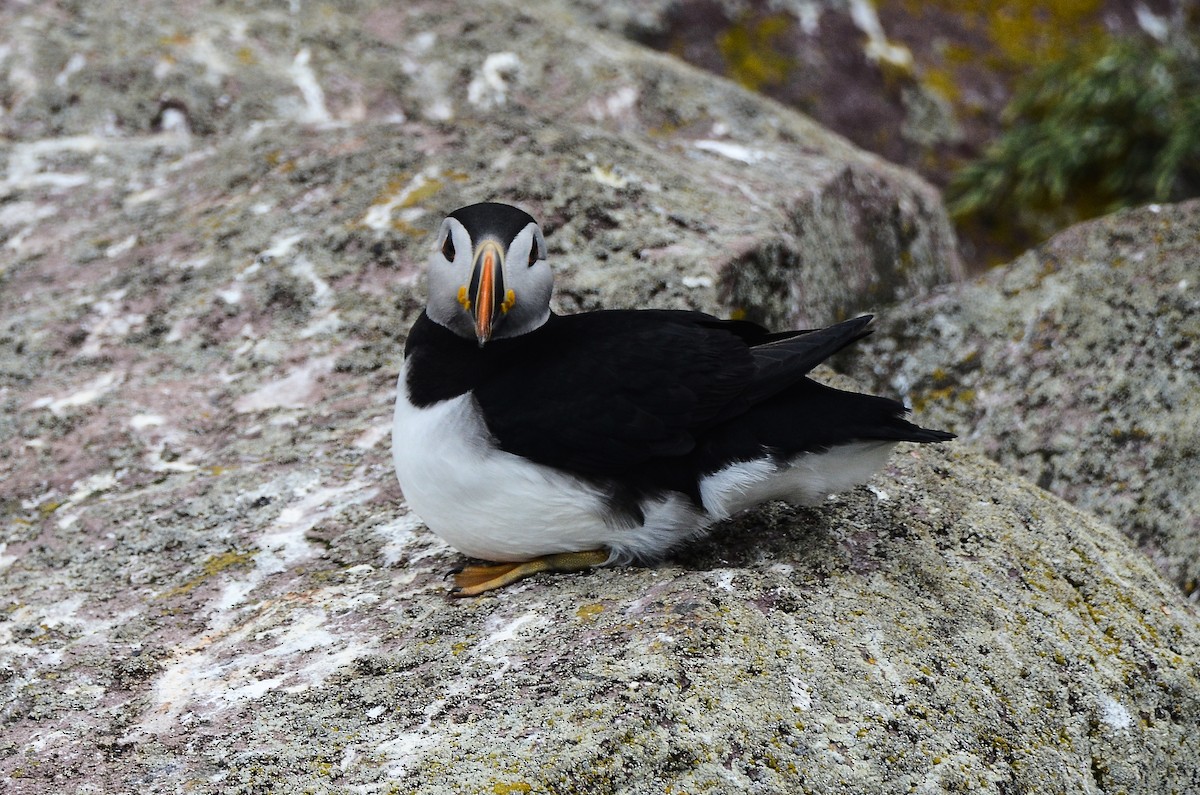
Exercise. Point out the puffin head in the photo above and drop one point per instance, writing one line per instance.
(488, 276)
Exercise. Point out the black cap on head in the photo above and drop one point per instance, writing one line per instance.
(502, 221)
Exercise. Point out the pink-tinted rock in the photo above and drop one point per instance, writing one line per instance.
(212, 224)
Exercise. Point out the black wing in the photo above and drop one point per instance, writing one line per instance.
(784, 361)
(605, 391)
(601, 392)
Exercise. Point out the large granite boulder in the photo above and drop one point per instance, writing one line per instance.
(629, 156)
(1078, 366)
(212, 224)
(950, 627)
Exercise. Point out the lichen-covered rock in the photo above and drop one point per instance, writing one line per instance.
(208, 579)
(630, 157)
(951, 627)
(1078, 366)
(921, 84)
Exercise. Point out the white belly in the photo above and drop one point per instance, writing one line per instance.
(494, 505)
(497, 506)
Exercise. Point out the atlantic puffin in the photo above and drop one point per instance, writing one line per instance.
(546, 442)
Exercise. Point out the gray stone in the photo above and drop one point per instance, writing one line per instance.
(1078, 366)
(950, 627)
(923, 85)
(208, 579)
(631, 157)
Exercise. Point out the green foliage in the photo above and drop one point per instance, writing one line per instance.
(1101, 129)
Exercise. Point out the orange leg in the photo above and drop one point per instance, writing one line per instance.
(473, 580)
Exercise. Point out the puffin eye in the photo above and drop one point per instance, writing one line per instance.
(533, 254)
(448, 247)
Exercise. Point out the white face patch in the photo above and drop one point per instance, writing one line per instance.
(524, 271)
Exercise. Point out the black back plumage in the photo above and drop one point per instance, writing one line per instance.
(660, 396)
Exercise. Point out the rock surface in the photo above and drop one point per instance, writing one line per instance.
(213, 219)
(911, 637)
(1078, 366)
(924, 85)
(630, 157)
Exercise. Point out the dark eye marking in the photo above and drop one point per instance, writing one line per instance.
(448, 247)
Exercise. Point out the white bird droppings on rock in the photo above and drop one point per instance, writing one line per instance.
(489, 88)
(372, 436)
(878, 47)
(616, 105)
(92, 391)
(724, 579)
(801, 697)
(1113, 713)
(504, 633)
(306, 81)
(607, 176)
(379, 214)
(120, 247)
(738, 152)
(294, 391)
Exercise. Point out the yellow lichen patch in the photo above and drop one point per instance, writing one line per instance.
(421, 192)
(607, 175)
(1031, 32)
(664, 130)
(755, 52)
(1023, 33)
(946, 394)
(406, 228)
(401, 192)
(391, 188)
(1134, 434)
(211, 567)
(507, 787)
(941, 80)
(227, 560)
(588, 613)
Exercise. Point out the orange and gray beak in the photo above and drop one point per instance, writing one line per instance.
(489, 301)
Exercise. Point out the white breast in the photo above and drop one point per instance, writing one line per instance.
(497, 506)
